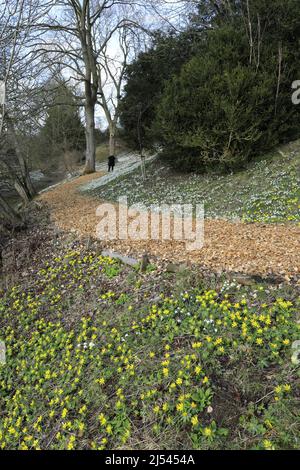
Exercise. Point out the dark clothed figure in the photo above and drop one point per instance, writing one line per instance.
(111, 163)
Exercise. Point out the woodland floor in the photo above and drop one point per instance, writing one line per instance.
(107, 356)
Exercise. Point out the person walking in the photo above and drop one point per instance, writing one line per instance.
(111, 163)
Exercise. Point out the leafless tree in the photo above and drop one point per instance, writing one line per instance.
(20, 73)
(74, 47)
(10, 30)
(111, 69)
(79, 34)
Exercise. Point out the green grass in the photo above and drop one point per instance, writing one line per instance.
(267, 191)
(101, 357)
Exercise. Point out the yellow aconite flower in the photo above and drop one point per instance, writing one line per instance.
(71, 442)
(268, 445)
(194, 420)
(207, 432)
(109, 429)
(102, 419)
(278, 389)
(179, 406)
(268, 424)
(82, 410)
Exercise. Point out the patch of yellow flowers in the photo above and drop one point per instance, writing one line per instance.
(81, 384)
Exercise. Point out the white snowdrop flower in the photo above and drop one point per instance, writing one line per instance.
(210, 409)
(79, 345)
(91, 344)
(85, 345)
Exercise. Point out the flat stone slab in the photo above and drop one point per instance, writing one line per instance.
(124, 259)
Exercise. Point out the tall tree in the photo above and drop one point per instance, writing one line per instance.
(83, 38)
(63, 131)
(232, 100)
(111, 68)
(82, 31)
(18, 74)
(146, 78)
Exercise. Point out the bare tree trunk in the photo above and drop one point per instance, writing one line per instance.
(17, 181)
(26, 181)
(251, 42)
(112, 139)
(143, 166)
(90, 159)
(22, 192)
(279, 75)
(259, 41)
(9, 214)
(139, 126)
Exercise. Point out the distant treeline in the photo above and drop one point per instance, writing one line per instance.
(220, 92)
(60, 141)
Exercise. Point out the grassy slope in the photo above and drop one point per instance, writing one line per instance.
(268, 191)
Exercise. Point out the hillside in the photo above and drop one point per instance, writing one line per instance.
(265, 249)
(267, 191)
(100, 355)
(149, 231)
